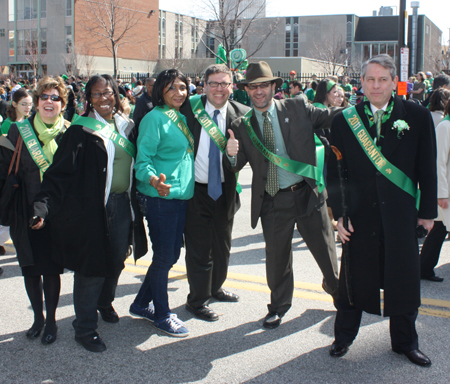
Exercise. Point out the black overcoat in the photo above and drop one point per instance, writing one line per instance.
(72, 199)
(377, 208)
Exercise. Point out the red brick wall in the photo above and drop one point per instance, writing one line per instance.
(140, 43)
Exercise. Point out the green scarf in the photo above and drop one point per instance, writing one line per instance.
(47, 135)
(369, 114)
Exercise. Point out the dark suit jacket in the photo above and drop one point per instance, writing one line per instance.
(378, 209)
(234, 110)
(298, 119)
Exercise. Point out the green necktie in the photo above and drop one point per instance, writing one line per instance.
(378, 118)
(272, 185)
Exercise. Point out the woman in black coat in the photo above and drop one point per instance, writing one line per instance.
(87, 198)
(41, 274)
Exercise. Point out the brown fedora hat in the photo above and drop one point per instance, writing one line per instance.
(259, 73)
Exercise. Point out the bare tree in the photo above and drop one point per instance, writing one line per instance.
(333, 54)
(230, 22)
(85, 59)
(31, 42)
(111, 24)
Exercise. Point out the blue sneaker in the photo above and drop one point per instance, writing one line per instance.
(173, 326)
(145, 313)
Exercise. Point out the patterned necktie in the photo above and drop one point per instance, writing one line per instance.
(378, 119)
(272, 185)
(214, 178)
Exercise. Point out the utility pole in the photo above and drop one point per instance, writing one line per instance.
(401, 30)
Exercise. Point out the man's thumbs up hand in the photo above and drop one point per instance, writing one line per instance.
(232, 144)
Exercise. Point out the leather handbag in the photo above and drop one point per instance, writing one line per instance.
(10, 188)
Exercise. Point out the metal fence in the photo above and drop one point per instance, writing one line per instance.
(355, 78)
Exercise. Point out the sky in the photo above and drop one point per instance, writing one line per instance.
(435, 10)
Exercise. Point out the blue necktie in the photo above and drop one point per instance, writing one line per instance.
(214, 179)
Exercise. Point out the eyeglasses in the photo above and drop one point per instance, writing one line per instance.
(261, 85)
(104, 94)
(215, 84)
(52, 97)
(26, 104)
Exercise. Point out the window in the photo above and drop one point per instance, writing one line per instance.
(34, 9)
(366, 52)
(43, 9)
(162, 34)
(375, 49)
(427, 29)
(26, 9)
(211, 45)
(391, 50)
(11, 10)
(44, 41)
(20, 10)
(28, 43)
(68, 39)
(11, 43)
(295, 33)
(68, 7)
(349, 31)
(20, 42)
(2, 33)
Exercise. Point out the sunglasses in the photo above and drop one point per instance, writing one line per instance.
(52, 97)
(260, 85)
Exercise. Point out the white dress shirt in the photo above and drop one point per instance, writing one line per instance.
(202, 157)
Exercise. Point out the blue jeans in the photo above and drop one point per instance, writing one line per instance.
(90, 293)
(165, 219)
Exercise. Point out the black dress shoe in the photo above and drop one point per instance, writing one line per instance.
(203, 312)
(339, 349)
(416, 357)
(34, 331)
(49, 335)
(434, 278)
(92, 342)
(227, 296)
(272, 320)
(109, 314)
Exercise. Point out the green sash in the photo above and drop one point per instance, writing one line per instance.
(388, 170)
(173, 115)
(34, 147)
(446, 118)
(107, 132)
(211, 128)
(293, 166)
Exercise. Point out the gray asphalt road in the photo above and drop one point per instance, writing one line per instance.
(235, 349)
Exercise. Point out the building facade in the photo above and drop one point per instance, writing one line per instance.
(58, 36)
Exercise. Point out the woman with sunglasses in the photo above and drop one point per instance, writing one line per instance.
(41, 134)
(19, 109)
(86, 198)
(165, 183)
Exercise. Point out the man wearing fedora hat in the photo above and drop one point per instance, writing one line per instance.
(278, 136)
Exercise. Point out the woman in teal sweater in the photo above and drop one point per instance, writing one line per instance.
(165, 182)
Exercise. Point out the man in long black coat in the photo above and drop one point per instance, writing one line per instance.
(381, 239)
